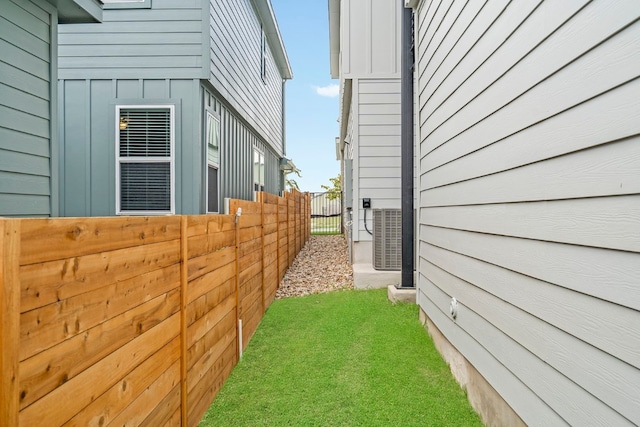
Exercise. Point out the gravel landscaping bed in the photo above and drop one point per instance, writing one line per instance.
(321, 266)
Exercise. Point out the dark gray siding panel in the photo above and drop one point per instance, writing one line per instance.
(26, 29)
(235, 69)
(529, 181)
(237, 143)
(163, 42)
(87, 120)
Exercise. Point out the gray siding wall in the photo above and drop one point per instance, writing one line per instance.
(236, 154)
(530, 199)
(87, 156)
(166, 41)
(27, 127)
(370, 38)
(235, 69)
(377, 143)
(87, 129)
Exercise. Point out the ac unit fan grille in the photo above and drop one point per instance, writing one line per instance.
(387, 239)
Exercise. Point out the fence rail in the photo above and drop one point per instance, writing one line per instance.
(134, 320)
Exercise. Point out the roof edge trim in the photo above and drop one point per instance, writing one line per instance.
(272, 32)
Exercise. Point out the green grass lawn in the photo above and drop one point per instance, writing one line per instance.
(347, 358)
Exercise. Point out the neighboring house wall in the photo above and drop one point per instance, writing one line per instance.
(26, 32)
(163, 53)
(88, 129)
(28, 97)
(162, 42)
(238, 143)
(377, 175)
(369, 38)
(236, 41)
(367, 60)
(529, 209)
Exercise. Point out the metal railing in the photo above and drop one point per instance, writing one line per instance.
(326, 213)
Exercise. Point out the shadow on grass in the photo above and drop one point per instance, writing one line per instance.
(347, 358)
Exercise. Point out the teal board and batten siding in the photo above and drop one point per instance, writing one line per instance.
(27, 29)
(164, 42)
(164, 53)
(529, 180)
(235, 72)
(87, 127)
(236, 153)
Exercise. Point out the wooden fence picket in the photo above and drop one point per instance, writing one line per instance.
(135, 319)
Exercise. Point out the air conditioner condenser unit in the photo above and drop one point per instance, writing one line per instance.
(387, 239)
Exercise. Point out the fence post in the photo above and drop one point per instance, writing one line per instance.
(298, 224)
(184, 257)
(238, 329)
(261, 200)
(291, 228)
(308, 215)
(278, 242)
(9, 320)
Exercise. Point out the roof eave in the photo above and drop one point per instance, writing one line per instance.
(78, 11)
(272, 32)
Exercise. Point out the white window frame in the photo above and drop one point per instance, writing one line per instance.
(120, 160)
(256, 179)
(209, 163)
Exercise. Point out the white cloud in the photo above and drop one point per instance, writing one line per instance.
(330, 91)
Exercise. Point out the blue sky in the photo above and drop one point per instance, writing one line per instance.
(311, 97)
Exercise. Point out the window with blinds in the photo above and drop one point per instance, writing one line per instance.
(145, 145)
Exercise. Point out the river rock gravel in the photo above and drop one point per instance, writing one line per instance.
(321, 266)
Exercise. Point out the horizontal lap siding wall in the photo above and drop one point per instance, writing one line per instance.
(235, 45)
(27, 133)
(370, 58)
(163, 42)
(131, 319)
(530, 199)
(378, 148)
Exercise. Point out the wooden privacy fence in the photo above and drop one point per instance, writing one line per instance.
(135, 320)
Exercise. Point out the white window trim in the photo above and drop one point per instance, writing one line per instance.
(208, 163)
(172, 159)
(256, 180)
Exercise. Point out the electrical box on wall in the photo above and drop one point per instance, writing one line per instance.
(366, 203)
